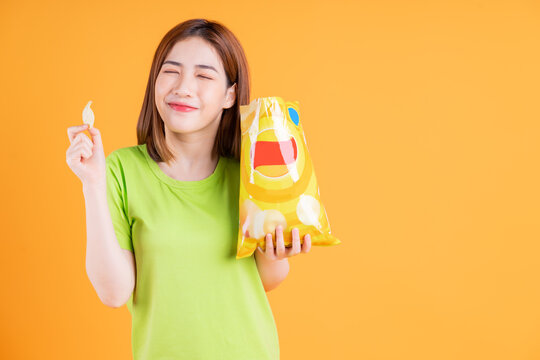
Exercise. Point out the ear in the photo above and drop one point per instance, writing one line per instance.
(230, 97)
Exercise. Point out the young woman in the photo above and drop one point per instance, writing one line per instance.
(162, 216)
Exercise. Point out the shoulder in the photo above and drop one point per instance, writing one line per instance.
(124, 160)
(124, 155)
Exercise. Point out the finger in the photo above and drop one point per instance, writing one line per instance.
(87, 141)
(72, 131)
(86, 153)
(280, 246)
(88, 147)
(74, 153)
(96, 136)
(269, 246)
(81, 138)
(295, 242)
(307, 243)
(82, 150)
(77, 140)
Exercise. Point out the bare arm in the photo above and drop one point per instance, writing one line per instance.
(110, 268)
(273, 264)
(272, 272)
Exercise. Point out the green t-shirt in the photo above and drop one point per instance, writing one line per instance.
(192, 299)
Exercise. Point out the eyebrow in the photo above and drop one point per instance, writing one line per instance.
(201, 66)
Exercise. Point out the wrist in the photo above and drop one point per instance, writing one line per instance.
(92, 188)
(261, 257)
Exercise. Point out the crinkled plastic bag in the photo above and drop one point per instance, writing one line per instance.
(277, 181)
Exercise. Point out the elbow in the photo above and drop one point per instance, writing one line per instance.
(269, 286)
(110, 296)
(110, 301)
(114, 303)
(119, 302)
(111, 305)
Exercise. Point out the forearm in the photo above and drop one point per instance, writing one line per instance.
(106, 265)
(272, 272)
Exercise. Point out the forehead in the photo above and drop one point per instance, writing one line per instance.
(194, 51)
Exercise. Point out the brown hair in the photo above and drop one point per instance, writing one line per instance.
(150, 127)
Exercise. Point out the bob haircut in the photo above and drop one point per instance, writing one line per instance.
(150, 126)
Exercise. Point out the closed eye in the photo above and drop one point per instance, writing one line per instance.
(169, 71)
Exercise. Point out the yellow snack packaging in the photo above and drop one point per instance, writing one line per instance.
(277, 180)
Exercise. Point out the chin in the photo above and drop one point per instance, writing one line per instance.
(185, 127)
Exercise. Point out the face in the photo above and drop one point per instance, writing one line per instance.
(192, 73)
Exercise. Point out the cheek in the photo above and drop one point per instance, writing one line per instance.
(159, 98)
(157, 91)
(161, 87)
(213, 96)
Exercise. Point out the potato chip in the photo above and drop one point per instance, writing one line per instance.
(88, 115)
(277, 181)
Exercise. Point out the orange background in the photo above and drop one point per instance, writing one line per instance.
(422, 120)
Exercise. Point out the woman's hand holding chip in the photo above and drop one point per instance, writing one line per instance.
(85, 156)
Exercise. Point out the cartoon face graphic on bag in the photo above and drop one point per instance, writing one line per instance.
(277, 181)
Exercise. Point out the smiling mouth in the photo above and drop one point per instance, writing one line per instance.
(274, 152)
(181, 108)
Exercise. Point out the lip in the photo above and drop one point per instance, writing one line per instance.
(178, 106)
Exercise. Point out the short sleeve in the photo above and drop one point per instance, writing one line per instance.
(117, 201)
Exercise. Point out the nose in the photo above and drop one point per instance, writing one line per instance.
(185, 85)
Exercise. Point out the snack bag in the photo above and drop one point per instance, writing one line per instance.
(277, 181)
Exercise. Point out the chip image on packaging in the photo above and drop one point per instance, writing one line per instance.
(277, 180)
